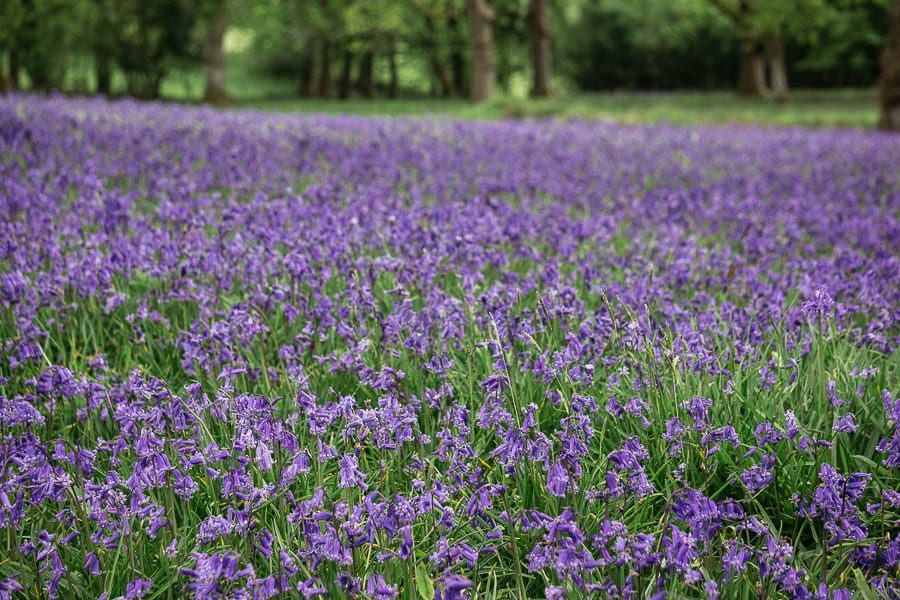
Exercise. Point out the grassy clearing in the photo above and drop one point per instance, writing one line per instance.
(808, 108)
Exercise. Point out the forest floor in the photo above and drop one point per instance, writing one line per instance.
(857, 108)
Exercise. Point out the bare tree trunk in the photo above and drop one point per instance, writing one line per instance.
(325, 69)
(778, 68)
(365, 83)
(346, 69)
(308, 76)
(890, 75)
(457, 60)
(103, 73)
(752, 65)
(394, 85)
(4, 80)
(102, 48)
(214, 57)
(440, 72)
(539, 31)
(437, 64)
(481, 41)
(460, 80)
(752, 78)
(13, 69)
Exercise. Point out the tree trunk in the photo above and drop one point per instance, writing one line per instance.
(539, 31)
(13, 69)
(437, 64)
(325, 69)
(778, 69)
(214, 57)
(890, 75)
(308, 75)
(457, 59)
(346, 68)
(394, 85)
(443, 78)
(481, 42)
(5, 80)
(752, 79)
(103, 72)
(752, 63)
(460, 81)
(365, 83)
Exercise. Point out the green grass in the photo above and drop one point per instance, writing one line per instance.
(809, 108)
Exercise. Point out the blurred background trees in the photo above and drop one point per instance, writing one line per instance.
(890, 79)
(447, 48)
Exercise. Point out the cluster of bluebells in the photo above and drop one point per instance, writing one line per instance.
(253, 356)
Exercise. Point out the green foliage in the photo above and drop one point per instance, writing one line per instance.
(758, 18)
(12, 13)
(375, 17)
(648, 44)
(847, 45)
(36, 30)
(658, 44)
(147, 36)
(799, 19)
(596, 45)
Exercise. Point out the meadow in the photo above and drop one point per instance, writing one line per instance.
(840, 108)
(249, 355)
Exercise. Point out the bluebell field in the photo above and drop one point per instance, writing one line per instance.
(249, 355)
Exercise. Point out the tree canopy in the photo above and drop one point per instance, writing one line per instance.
(339, 48)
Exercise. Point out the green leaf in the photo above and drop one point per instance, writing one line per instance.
(424, 583)
(863, 590)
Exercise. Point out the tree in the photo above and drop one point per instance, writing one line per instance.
(776, 19)
(12, 13)
(890, 74)
(325, 68)
(436, 61)
(365, 81)
(307, 86)
(90, 26)
(845, 47)
(215, 13)
(346, 72)
(539, 32)
(103, 70)
(457, 59)
(481, 41)
(394, 81)
(431, 39)
(14, 63)
(752, 65)
(762, 24)
(329, 24)
(778, 67)
(147, 36)
(44, 32)
(652, 44)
